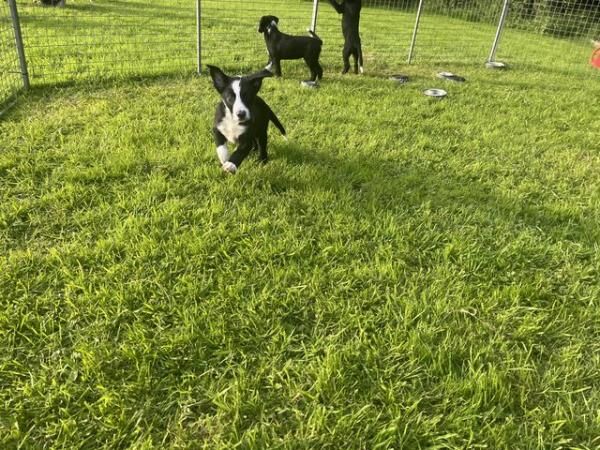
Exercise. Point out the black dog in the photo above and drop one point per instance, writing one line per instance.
(283, 46)
(242, 117)
(350, 25)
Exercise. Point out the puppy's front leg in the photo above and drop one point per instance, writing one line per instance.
(346, 57)
(276, 66)
(269, 65)
(222, 151)
(237, 157)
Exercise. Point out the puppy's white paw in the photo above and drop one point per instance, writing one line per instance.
(362, 71)
(229, 167)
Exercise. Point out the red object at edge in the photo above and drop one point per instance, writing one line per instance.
(595, 59)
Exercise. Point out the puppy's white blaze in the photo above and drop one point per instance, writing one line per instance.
(238, 105)
(223, 153)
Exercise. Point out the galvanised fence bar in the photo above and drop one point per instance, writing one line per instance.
(11, 77)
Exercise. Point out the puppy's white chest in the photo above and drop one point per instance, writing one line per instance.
(231, 129)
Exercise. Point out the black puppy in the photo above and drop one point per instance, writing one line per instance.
(283, 46)
(350, 10)
(242, 117)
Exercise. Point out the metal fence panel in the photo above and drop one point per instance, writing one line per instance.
(386, 28)
(230, 31)
(539, 30)
(10, 76)
(112, 38)
(230, 35)
(108, 38)
(456, 31)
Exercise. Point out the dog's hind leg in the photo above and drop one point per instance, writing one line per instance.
(276, 67)
(360, 58)
(314, 67)
(319, 71)
(318, 67)
(346, 57)
(355, 57)
(261, 142)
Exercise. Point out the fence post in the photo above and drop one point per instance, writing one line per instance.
(12, 4)
(199, 36)
(499, 31)
(315, 13)
(415, 31)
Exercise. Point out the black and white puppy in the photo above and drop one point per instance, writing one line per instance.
(283, 46)
(350, 10)
(241, 118)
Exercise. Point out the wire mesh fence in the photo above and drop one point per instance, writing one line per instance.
(539, 31)
(108, 38)
(456, 31)
(385, 47)
(230, 30)
(101, 39)
(10, 77)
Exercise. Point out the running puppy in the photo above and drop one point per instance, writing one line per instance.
(283, 46)
(241, 118)
(350, 10)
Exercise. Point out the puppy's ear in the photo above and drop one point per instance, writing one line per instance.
(262, 25)
(256, 84)
(262, 74)
(255, 79)
(220, 80)
(275, 19)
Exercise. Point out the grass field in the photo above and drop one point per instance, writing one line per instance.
(404, 273)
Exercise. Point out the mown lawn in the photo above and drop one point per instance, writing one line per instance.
(404, 273)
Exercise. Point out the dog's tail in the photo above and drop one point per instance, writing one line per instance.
(314, 35)
(273, 118)
(277, 123)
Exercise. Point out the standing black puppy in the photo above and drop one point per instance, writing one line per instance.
(350, 10)
(283, 46)
(242, 117)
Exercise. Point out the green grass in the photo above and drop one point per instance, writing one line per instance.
(404, 273)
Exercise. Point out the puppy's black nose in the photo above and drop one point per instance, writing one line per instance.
(241, 115)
